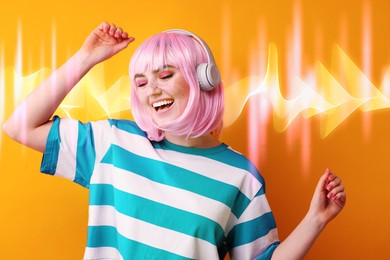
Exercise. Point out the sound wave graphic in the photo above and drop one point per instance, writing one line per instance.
(326, 95)
(89, 100)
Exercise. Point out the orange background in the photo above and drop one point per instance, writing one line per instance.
(46, 218)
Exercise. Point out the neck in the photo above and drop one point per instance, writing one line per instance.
(204, 141)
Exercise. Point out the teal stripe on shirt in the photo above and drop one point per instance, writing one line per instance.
(85, 154)
(177, 177)
(52, 149)
(107, 236)
(249, 231)
(157, 213)
(267, 254)
(235, 159)
(204, 152)
(221, 153)
(127, 126)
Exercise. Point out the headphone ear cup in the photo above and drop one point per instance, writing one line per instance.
(208, 76)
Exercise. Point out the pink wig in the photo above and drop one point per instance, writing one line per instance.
(204, 111)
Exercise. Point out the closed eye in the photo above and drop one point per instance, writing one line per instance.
(141, 83)
(166, 75)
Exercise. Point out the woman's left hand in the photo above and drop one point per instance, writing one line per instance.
(329, 198)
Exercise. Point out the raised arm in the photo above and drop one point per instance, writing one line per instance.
(328, 200)
(30, 123)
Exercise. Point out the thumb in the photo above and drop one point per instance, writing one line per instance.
(322, 181)
(123, 44)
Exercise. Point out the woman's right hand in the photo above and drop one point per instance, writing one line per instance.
(104, 42)
(30, 123)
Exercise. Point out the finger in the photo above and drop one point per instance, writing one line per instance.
(112, 29)
(125, 35)
(340, 199)
(335, 182)
(104, 26)
(118, 32)
(331, 176)
(341, 196)
(336, 190)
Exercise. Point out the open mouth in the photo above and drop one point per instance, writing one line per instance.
(160, 105)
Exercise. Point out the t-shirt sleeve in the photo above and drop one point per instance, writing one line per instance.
(70, 151)
(254, 234)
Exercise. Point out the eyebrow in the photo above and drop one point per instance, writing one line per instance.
(164, 67)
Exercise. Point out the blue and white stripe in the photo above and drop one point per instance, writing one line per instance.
(153, 200)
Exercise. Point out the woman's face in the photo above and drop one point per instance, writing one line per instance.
(163, 93)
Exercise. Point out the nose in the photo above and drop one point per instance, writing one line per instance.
(153, 88)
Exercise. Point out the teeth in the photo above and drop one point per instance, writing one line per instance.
(162, 103)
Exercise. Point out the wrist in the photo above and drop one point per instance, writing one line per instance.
(314, 221)
(84, 59)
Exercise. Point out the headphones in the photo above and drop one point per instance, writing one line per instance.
(208, 73)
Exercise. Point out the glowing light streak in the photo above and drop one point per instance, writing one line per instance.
(18, 81)
(305, 130)
(226, 42)
(18, 64)
(54, 57)
(367, 38)
(259, 107)
(53, 47)
(2, 87)
(294, 48)
(386, 84)
(366, 54)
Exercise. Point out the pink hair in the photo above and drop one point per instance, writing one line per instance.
(204, 111)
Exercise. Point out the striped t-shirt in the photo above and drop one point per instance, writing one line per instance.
(158, 200)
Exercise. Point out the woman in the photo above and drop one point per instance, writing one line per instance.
(164, 186)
